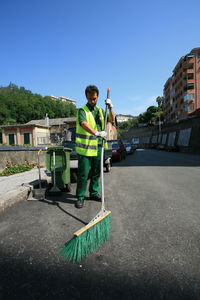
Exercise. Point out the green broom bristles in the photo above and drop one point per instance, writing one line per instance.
(87, 242)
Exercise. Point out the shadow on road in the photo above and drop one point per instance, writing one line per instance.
(148, 157)
(56, 203)
(29, 279)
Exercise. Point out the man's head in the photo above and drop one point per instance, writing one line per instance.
(92, 93)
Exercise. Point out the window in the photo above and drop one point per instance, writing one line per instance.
(189, 86)
(26, 138)
(189, 107)
(188, 97)
(190, 76)
(190, 55)
(186, 108)
(172, 93)
(11, 138)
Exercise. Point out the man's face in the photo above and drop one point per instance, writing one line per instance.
(92, 98)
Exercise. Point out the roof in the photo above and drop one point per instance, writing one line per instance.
(23, 125)
(52, 122)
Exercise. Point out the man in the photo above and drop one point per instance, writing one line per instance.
(90, 133)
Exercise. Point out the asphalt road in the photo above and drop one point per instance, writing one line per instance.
(153, 252)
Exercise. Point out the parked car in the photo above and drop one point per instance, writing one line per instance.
(135, 142)
(160, 147)
(129, 148)
(118, 150)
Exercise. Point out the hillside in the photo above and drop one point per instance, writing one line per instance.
(19, 106)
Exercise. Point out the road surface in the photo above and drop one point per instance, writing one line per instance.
(153, 252)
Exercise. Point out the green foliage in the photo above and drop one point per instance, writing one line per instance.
(14, 169)
(19, 106)
(159, 100)
(152, 114)
(16, 145)
(124, 126)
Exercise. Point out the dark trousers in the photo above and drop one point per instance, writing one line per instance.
(85, 164)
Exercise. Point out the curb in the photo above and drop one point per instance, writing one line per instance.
(14, 196)
(21, 193)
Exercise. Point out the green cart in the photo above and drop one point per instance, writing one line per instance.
(62, 166)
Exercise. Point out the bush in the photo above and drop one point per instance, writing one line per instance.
(12, 168)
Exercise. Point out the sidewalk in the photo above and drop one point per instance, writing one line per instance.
(16, 187)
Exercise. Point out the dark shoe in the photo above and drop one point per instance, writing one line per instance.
(95, 198)
(79, 203)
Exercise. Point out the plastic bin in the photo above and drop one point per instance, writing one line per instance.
(62, 166)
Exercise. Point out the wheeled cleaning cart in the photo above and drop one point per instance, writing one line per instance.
(58, 163)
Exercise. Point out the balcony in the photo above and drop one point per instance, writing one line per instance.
(188, 97)
(188, 65)
(190, 76)
(189, 86)
(188, 107)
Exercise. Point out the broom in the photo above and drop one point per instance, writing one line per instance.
(90, 237)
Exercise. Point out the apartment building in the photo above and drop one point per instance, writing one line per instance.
(182, 90)
(64, 99)
(123, 118)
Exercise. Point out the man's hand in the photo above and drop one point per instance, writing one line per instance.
(109, 103)
(102, 134)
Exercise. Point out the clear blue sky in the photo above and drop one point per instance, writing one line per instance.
(59, 47)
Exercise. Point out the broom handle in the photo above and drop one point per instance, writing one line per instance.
(54, 168)
(102, 156)
(39, 168)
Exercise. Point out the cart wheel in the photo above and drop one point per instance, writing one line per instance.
(68, 187)
(108, 167)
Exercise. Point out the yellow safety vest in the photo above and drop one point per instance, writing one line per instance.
(87, 143)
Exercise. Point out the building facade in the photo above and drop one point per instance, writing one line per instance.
(182, 90)
(64, 99)
(37, 132)
(123, 118)
(23, 134)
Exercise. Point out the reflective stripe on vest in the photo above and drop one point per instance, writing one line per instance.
(87, 143)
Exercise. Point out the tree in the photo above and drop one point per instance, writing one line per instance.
(159, 100)
(19, 106)
(151, 115)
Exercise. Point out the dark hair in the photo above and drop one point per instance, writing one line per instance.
(90, 89)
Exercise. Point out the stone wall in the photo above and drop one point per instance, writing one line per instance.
(184, 134)
(20, 157)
